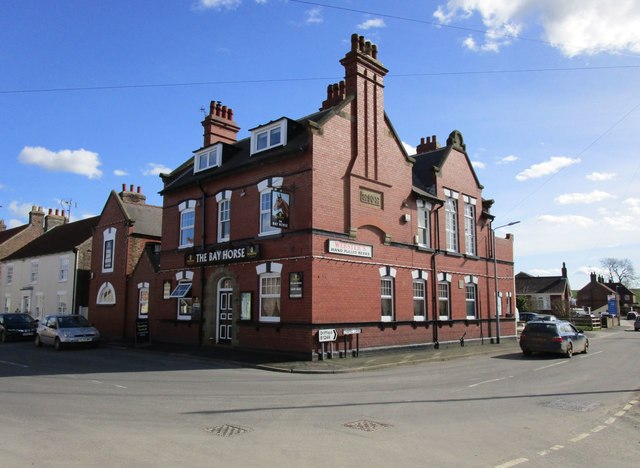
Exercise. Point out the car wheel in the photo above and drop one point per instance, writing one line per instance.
(586, 347)
(38, 341)
(57, 344)
(3, 336)
(526, 352)
(570, 350)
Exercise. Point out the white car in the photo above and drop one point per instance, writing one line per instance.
(66, 330)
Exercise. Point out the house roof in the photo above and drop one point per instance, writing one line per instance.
(63, 238)
(238, 155)
(146, 219)
(9, 233)
(527, 284)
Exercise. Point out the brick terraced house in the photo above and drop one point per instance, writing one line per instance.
(324, 228)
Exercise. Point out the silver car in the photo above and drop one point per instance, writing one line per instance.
(66, 330)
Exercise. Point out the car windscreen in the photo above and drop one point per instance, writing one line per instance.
(73, 321)
(17, 319)
(541, 328)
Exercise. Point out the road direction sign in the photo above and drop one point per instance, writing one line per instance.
(352, 331)
(327, 335)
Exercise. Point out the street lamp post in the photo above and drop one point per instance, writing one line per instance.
(495, 278)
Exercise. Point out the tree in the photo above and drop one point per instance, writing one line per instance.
(620, 271)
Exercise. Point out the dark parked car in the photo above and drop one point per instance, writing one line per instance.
(636, 324)
(527, 316)
(66, 330)
(17, 326)
(632, 315)
(559, 337)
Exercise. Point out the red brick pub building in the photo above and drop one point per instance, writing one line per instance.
(324, 228)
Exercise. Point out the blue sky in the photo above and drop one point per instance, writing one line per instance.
(96, 94)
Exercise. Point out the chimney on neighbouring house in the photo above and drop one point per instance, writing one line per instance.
(335, 94)
(131, 195)
(219, 125)
(36, 216)
(3, 227)
(564, 270)
(427, 144)
(593, 278)
(54, 219)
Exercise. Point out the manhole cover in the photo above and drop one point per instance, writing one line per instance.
(226, 430)
(365, 425)
(569, 405)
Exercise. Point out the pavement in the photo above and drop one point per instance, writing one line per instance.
(368, 360)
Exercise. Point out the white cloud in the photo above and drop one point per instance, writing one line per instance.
(575, 220)
(544, 272)
(622, 223)
(314, 16)
(633, 205)
(478, 164)
(13, 223)
(80, 161)
(218, 4)
(583, 198)
(553, 165)
(156, 169)
(120, 173)
(600, 176)
(372, 23)
(411, 150)
(20, 209)
(575, 27)
(508, 159)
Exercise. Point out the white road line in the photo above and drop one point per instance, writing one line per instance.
(627, 407)
(610, 421)
(633, 402)
(95, 381)
(551, 365)
(13, 364)
(591, 354)
(620, 413)
(598, 428)
(580, 437)
(515, 462)
(120, 386)
(488, 381)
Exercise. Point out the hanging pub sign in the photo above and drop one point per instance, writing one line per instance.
(280, 202)
(226, 255)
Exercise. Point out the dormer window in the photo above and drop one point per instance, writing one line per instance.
(269, 136)
(209, 157)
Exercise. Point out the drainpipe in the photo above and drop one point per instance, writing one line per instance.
(434, 270)
(75, 281)
(203, 206)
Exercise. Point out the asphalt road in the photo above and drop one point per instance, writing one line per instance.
(131, 408)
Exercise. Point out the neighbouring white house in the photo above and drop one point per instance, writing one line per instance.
(51, 273)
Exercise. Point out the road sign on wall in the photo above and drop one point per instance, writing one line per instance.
(327, 335)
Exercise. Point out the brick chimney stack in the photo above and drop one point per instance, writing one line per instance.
(131, 195)
(364, 79)
(54, 219)
(219, 125)
(36, 216)
(427, 144)
(335, 95)
(3, 227)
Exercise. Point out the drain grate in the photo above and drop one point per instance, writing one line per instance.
(365, 425)
(569, 405)
(227, 430)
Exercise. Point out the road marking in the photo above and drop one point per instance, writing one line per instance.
(633, 402)
(580, 437)
(120, 386)
(515, 462)
(620, 413)
(551, 365)
(591, 354)
(554, 448)
(627, 407)
(13, 364)
(598, 428)
(610, 421)
(488, 381)
(95, 381)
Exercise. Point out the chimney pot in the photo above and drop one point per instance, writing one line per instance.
(139, 189)
(124, 187)
(131, 188)
(50, 211)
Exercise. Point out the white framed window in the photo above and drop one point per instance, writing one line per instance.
(9, 277)
(224, 215)
(444, 296)
(39, 308)
(64, 269)
(187, 223)
(470, 225)
(270, 289)
(541, 302)
(265, 188)
(387, 303)
(471, 296)
(106, 294)
(269, 136)
(34, 271)
(7, 303)
(424, 223)
(419, 294)
(26, 304)
(143, 300)
(108, 249)
(182, 293)
(209, 157)
(62, 302)
(451, 220)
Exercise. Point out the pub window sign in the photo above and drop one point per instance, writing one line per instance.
(280, 203)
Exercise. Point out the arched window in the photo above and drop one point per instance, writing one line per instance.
(270, 287)
(106, 294)
(387, 278)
